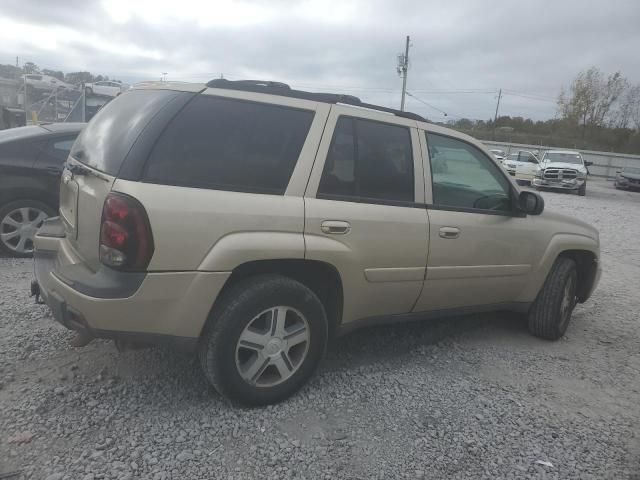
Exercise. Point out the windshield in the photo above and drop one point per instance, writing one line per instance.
(634, 170)
(563, 158)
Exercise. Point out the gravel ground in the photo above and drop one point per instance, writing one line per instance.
(474, 396)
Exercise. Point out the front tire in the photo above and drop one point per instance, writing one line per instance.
(551, 312)
(263, 340)
(582, 191)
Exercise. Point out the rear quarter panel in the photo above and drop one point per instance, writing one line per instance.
(212, 230)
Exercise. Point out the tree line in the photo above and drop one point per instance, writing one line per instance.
(597, 112)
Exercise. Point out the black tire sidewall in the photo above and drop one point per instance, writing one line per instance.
(563, 323)
(236, 315)
(582, 191)
(15, 204)
(545, 320)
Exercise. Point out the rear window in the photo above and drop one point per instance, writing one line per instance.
(107, 139)
(228, 144)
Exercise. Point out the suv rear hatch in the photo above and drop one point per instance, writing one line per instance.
(96, 160)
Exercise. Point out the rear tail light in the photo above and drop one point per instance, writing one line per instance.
(126, 242)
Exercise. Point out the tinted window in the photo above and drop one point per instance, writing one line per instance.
(338, 177)
(106, 140)
(369, 159)
(228, 144)
(463, 176)
(55, 152)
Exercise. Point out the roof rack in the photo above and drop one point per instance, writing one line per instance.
(284, 90)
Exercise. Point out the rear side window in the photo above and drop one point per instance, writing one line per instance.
(228, 144)
(56, 151)
(106, 140)
(369, 160)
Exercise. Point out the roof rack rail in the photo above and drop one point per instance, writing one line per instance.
(282, 89)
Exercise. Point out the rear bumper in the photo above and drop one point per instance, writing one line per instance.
(168, 307)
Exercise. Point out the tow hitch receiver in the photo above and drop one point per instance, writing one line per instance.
(35, 292)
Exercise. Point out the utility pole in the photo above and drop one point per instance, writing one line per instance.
(497, 106)
(403, 66)
(495, 117)
(17, 64)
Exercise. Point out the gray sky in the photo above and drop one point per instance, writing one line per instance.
(462, 52)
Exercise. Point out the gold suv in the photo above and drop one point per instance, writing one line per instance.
(252, 222)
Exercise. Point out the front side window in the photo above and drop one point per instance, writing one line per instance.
(369, 160)
(229, 144)
(464, 177)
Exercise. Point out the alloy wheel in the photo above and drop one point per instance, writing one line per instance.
(273, 346)
(18, 228)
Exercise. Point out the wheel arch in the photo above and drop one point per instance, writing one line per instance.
(587, 266)
(582, 249)
(27, 193)
(320, 277)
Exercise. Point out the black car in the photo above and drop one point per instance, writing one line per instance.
(31, 162)
(628, 178)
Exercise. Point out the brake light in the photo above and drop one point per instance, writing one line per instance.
(126, 242)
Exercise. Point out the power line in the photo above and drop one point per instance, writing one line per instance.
(434, 107)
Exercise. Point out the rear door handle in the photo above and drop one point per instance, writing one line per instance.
(449, 232)
(335, 227)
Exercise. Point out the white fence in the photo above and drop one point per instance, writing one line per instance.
(605, 164)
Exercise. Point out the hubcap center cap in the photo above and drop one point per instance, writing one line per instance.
(274, 346)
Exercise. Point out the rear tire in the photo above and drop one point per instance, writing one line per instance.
(19, 220)
(244, 335)
(551, 312)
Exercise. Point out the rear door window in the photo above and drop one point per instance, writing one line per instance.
(106, 140)
(368, 160)
(229, 144)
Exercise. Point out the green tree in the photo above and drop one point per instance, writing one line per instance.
(591, 98)
(30, 67)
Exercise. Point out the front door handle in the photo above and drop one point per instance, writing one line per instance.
(335, 227)
(449, 232)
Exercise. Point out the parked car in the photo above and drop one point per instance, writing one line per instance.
(628, 178)
(564, 170)
(105, 88)
(46, 82)
(251, 223)
(521, 157)
(31, 162)
(498, 154)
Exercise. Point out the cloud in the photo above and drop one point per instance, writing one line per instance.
(462, 52)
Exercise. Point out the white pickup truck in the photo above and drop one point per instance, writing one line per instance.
(560, 169)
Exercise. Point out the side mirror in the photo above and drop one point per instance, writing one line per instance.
(530, 203)
(588, 164)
